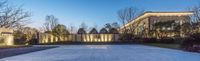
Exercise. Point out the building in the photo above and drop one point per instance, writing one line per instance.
(158, 24)
(6, 36)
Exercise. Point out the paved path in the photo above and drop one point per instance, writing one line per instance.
(106, 53)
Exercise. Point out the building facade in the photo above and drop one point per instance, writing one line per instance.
(6, 36)
(158, 24)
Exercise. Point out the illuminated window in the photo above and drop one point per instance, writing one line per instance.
(163, 28)
(168, 28)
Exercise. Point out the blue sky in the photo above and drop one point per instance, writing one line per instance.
(91, 12)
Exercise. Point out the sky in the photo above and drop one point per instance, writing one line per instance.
(93, 12)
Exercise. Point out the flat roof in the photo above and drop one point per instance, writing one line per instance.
(150, 13)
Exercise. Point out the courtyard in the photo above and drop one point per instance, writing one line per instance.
(127, 52)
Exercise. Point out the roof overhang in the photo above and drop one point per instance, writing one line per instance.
(148, 14)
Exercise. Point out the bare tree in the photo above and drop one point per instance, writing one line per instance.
(110, 26)
(72, 29)
(127, 15)
(195, 18)
(96, 26)
(84, 26)
(196, 14)
(115, 25)
(50, 22)
(11, 16)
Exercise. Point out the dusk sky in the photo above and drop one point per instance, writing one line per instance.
(74, 12)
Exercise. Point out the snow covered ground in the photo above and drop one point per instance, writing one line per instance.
(106, 53)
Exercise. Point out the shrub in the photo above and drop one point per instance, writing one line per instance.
(192, 43)
(126, 38)
(166, 40)
(149, 40)
(155, 40)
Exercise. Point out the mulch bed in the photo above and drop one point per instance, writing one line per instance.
(7, 52)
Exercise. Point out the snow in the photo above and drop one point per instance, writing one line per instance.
(107, 53)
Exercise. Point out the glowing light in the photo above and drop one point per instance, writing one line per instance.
(9, 40)
(102, 37)
(51, 38)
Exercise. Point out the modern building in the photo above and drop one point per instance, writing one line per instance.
(158, 24)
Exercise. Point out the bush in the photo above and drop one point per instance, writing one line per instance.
(155, 40)
(166, 40)
(19, 41)
(126, 38)
(149, 40)
(192, 43)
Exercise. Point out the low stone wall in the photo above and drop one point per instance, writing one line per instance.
(49, 38)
